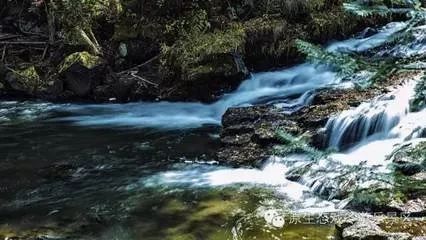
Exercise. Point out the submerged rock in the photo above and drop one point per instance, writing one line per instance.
(365, 227)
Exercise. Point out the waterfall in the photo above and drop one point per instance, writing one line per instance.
(374, 130)
(377, 118)
(291, 89)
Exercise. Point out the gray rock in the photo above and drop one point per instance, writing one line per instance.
(365, 227)
(249, 133)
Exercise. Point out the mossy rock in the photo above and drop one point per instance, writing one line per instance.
(415, 227)
(376, 200)
(26, 80)
(198, 49)
(83, 58)
(81, 73)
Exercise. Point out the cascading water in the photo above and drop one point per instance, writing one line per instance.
(367, 134)
(375, 129)
(298, 83)
(377, 118)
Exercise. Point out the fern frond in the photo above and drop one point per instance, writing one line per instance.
(292, 144)
(343, 63)
(366, 11)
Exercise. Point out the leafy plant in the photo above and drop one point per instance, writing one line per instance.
(419, 100)
(292, 144)
(78, 18)
(344, 63)
(366, 11)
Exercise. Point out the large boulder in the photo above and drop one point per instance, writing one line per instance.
(200, 65)
(81, 73)
(249, 133)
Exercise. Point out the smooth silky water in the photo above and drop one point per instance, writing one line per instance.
(145, 170)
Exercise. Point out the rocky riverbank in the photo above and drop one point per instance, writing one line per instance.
(160, 50)
(250, 133)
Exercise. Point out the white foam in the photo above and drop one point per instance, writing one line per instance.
(298, 83)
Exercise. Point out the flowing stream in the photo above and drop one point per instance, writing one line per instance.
(145, 170)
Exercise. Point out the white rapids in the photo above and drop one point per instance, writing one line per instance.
(290, 88)
(367, 133)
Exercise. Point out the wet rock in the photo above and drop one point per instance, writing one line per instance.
(365, 227)
(414, 207)
(249, 133)
(81, 73)
(206, 81)
(421, 176)
(410, 158)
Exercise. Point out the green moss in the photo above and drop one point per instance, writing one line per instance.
(193, 50)
(83, 58)
(196, 54)
(29, 74)
(413, 227)
(28, 78)
(419, 100)
(131, 29)
(376, 199)
(418, 153)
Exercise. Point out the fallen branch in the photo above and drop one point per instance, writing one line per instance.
(8, 37)
(3, 55)
(143, 79)
(22, 43)
(140, 65)
(44, 52)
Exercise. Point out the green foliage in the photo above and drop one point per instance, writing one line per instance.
(419, 100)
(344, 63)
(189, 26)
(375, 198)
(190, 52)
(383, 8)
(77, 19)
(84, 58)
(366, 11)
(28, 78)
(349, 66)
(292, 144)
(419, 151)
(83, 13)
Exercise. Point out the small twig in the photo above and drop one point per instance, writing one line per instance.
(140, 65)
(3, 55)
(7, 37)
(22, 43)
(44, 52)
(143, 79)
